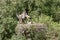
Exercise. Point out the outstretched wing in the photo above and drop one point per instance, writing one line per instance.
(17, 16)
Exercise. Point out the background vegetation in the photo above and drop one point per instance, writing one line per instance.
(43, 11)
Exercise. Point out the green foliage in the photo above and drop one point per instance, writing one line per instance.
(43, 11)
(14, 37)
